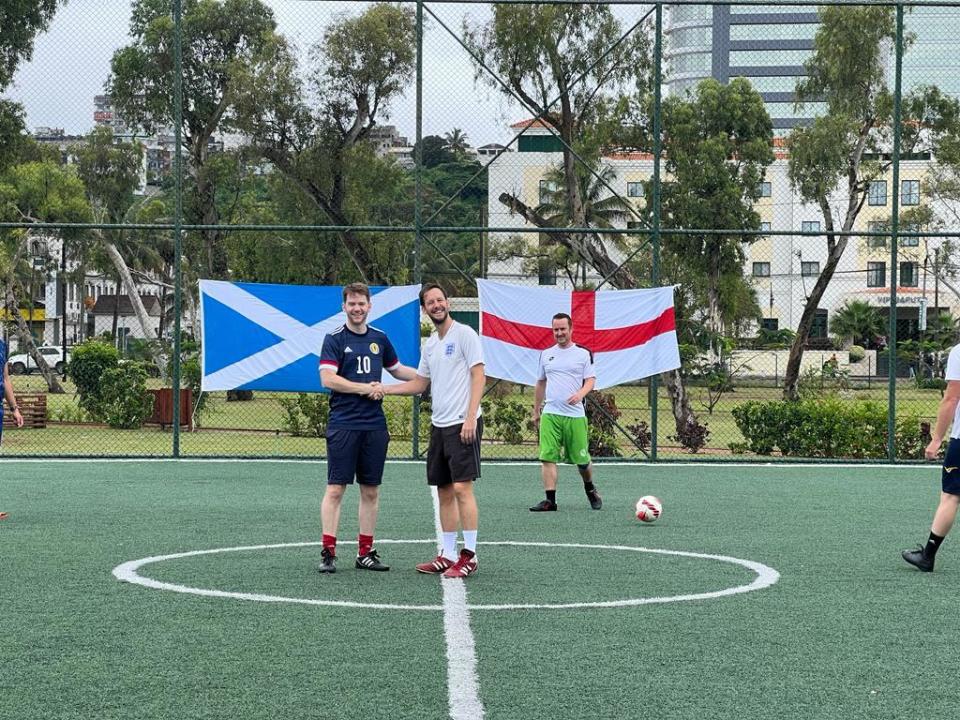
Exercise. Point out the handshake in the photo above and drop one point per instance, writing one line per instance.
(374, 391)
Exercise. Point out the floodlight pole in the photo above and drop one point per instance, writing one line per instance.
(894, 242)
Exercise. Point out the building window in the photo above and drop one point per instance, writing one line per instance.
(909, 277)
(810, 269)
(819, 327)
(761, 269)
(547, 189)
(910, 241)
(877, 241)
(634, 189)
(771, 324)
(876, 274)
(810, 226)
(909, 192)
(877, 193)
(764, 227)
(766, 189)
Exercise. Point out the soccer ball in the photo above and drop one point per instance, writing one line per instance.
(649, 508)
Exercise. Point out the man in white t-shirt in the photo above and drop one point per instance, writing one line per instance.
(922, 558)
(451, 362)
(564, 377)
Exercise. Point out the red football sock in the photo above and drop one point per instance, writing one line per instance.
(330, 543)
(366, 544)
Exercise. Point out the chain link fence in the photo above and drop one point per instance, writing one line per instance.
(790, 168)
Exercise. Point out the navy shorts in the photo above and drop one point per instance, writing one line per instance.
(950, 477)
(356, 453)
(449, 459)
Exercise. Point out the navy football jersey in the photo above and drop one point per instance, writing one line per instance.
(362, 359)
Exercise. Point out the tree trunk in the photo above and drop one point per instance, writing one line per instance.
(159, 357)
(26, 338)
(116, 312)
(594, 252)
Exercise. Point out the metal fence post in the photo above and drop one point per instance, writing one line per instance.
(655, 225)
(418, 209)
(894, 242)
(178, 214)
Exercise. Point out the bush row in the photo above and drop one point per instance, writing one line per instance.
(827, 428)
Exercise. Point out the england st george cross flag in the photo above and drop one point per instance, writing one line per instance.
(632, 333)
(268, 337)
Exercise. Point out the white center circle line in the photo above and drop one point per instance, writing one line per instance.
(766, 576)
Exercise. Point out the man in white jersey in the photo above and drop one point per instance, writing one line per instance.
(564, 377)
(922, 558)
(452, 362)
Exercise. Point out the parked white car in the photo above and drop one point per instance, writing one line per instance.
(22, 362)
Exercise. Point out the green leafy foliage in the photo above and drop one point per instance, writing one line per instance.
(124, 402)
(507, 418)
(89, 361)
(602, 414)
(307, 415)
(827, 427)
(856, 353)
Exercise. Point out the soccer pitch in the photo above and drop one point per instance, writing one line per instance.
(821, 618)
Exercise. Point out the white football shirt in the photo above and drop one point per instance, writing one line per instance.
(564, 369)
(953, 373)
(446, 362)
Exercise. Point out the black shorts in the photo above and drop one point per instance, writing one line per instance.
(450, 460)
(356, 453)
(950, 476)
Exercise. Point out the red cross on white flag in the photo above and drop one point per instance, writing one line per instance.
(632, 333)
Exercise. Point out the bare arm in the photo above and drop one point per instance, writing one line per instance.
(945, 414)
(578, 396)
(478, 379)
(539, 393)
(331, 381)
(403, 372)
(416, 385)
(11, 399)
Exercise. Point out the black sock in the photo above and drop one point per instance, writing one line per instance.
(552, 496)
(933, 544)
(588, 487)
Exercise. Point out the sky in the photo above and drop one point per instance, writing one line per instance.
(71, 62)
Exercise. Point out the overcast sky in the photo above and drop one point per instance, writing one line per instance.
(72, 60)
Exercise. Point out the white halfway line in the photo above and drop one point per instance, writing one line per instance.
(463, 686)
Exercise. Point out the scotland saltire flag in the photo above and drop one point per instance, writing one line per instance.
(268, 337)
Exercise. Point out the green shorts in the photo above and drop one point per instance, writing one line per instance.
(564, 439)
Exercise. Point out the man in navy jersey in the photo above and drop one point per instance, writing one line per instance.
(7, 393)
(352, 359)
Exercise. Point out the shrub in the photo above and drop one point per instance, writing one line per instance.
(506, 418)
(857, 353)
(306, 415)
(602, 414)
(88, 364)
(641, 434)
(827, 427)
(124, 401)
(693, 436)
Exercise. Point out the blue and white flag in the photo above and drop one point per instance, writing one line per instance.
(268, 337)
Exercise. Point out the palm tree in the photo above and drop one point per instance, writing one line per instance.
(856, 322)
(601, 208)
(456, 141)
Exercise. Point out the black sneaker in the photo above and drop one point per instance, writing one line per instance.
(328, 561)
(544, 506)
(918, 559)
(596, 502)
(371, 561)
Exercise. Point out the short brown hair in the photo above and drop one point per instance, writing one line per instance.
(427, 288)
(564, 316)
(356, 289)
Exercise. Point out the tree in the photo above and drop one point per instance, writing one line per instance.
(434, 151)
(20, 21)
(110, 173)
(313, 129)
(717, 145)
(456, 142)
(857, 322)
(849, 147)
(220, 37)
(570, 53)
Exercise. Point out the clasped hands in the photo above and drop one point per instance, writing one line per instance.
(374, 391)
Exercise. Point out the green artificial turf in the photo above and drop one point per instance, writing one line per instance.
(849, 631)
